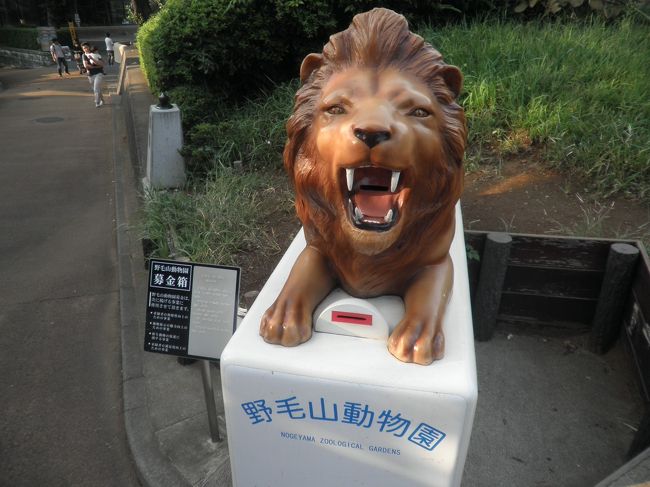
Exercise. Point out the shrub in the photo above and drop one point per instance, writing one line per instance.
(234, 47)
(145, 43)
(419, 12)
(27, 37)
(606, 8)
(253, 133)
(197, 104)
(228, 47)
(22, 38)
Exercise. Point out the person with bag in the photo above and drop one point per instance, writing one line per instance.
(110, 49)
(95, 68)
(77, 53)
(58, 56)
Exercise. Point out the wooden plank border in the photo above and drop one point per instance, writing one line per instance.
(552, 284)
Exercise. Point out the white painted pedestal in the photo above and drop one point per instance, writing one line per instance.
(165, 165)
(118, 51)
(342, 411)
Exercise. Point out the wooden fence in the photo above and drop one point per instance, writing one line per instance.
(565, 285)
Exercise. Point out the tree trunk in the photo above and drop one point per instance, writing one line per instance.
(141, 8)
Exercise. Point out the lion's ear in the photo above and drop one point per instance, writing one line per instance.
(453, 79)
(310, 64)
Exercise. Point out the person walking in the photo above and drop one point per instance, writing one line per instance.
(95, 68)
(77, 53)
(110, 51)
(58, 56)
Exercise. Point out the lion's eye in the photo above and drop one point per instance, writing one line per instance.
(335, 110)
(420, 113)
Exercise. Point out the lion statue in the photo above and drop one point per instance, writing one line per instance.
(375, 150)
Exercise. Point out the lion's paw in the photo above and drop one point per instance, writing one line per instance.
(286, 325)
(416, 341)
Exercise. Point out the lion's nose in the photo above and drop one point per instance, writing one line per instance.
(371, 137)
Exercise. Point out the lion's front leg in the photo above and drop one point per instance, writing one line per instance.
(288, 321)
(418, 337)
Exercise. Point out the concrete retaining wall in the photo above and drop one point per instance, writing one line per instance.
(136, 100)
(24, 58)
(119, 33)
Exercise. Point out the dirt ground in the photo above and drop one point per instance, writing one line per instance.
(519, 196)
(525, 197)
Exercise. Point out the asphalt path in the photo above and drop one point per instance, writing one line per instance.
(61, 414)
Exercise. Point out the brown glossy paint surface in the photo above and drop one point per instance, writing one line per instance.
(375, 148)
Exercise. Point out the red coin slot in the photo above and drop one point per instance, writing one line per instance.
(352, 318)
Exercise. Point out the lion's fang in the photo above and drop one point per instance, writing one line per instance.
(394, 181)
(357, 214)
(389, 216)
(349, 175)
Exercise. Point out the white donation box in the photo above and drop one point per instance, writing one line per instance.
(340, 410)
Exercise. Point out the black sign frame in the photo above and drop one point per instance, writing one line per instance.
(171, 292)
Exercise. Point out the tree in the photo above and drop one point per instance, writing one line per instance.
(141, 9)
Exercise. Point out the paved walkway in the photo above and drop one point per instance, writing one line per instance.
(60, 380)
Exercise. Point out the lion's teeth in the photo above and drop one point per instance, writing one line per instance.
(349, 175)
(389, 216)
(394, 181)
(357, 214)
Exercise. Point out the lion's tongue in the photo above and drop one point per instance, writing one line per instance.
(374, 204)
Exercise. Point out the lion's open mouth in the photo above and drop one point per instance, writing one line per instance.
(373, 197)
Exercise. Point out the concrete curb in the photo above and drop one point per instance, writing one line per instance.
(153, 468)
(636, 472)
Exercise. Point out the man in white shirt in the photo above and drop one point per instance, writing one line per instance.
(109, 49)
(59, 57)
(95, 68)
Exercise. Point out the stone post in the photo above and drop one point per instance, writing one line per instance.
(118, 49)
(165, 165)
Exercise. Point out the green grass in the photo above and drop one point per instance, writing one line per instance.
(596, 221)
(217, 218)
(578, 91)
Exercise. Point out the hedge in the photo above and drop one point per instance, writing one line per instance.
(235, 47)
(19, 37)
(27, 37)
(230, 47)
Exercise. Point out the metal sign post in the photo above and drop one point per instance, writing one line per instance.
(206, 375)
